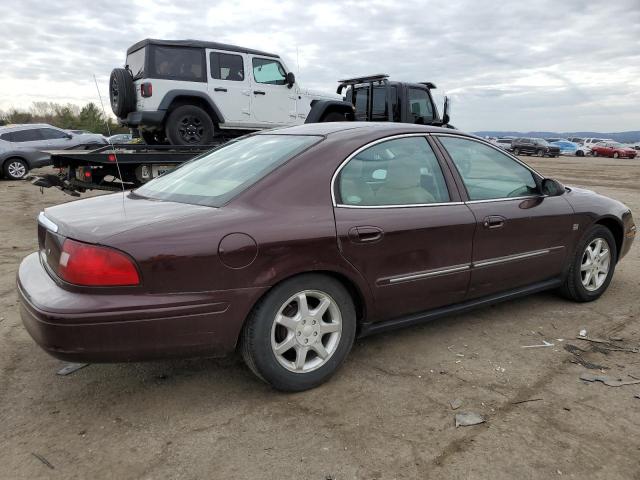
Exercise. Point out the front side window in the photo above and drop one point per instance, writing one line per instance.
(29, 135)
(225, 66)
(52, 134)
(488, 173)
(178, 63)
(268, 71)
(135, 63)
(216, 177)
(402, 171)
(420, 106)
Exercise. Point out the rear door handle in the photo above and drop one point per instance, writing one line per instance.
(259, 92)
(493, 221)
(219, 89)
(365, 234)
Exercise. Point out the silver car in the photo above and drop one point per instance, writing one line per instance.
(23, 147)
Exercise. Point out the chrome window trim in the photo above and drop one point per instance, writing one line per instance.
(371, 144)
(46, 223)
(497, 149)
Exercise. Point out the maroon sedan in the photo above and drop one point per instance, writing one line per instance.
(612, 149)
(288, 244)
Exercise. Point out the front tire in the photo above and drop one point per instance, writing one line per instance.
(540, 153)
(579, 153)
(594, 153)
(516, 151)
(189, 125)
(15, 169)
(300, 333)
(592, 266)
(616, 155)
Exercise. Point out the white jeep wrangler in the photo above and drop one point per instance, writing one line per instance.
(187, 92)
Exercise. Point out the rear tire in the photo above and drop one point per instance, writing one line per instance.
(189, 125)
(540, 153)
(579, 153)
(288, 347)
(15, 169)
(577, 285)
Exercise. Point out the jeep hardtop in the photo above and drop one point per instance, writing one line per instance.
(186, 92)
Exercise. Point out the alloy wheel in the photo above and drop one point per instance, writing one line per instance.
(191, 129)
(16, 169)
(306, 331)
(596, 261)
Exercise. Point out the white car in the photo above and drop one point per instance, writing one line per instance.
(188, 92)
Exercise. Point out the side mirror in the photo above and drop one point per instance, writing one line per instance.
(551, 187)
(69, 136)
(446, 117)
(290, 79)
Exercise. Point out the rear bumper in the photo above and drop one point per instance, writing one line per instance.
(98, 327)
(145, 118)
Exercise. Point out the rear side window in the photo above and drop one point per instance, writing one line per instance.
(178, 63)
(135, 63)
(6, 137)
(225, 66)
(26, 135)
(400, 172)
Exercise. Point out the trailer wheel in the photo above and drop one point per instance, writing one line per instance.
(189, 125)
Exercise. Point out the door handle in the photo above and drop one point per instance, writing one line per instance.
(493, 221)
(365, 234)
(219, 89)
(259, 92)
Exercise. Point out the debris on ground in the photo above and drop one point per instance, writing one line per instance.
(43, 460)
(577, 358)
(466, 419)
(612, 347)
(544, 344)
(526, 401)
(583, 333)
(616, 339)
(607, 380)
(637, 395)
(455, 404)
(69, 368)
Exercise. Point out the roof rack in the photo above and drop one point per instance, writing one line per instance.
(378, 77)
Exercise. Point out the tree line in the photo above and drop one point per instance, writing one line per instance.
(68, 116)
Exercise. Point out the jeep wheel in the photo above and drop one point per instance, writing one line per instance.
(540, 153)
(333, 117)
(516, 151)
(189, 125)
(122, 93)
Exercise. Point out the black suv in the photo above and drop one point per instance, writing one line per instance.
(534, 146)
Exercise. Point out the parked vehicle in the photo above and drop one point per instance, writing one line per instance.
(188, 92)
(504, 143)
(577, 140)
(120, 138)
(566, 147)
(534, 146)
(590, 142)
(323, 232)
(612, 149)
(23, 147)
(582, 151)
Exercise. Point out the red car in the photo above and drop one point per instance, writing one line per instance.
(612, 149)
(288, 244)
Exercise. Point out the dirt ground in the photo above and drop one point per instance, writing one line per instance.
(385, 415)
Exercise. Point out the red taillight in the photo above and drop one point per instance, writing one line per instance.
(146, 89)
(91, 265)
(111, 157)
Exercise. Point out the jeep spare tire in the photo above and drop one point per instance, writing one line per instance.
(122, 92)
(189, 125)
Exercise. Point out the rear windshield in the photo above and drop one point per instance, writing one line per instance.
(217, 176)
(135, 63)
(177, 63)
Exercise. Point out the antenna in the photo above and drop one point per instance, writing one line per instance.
(106, 122)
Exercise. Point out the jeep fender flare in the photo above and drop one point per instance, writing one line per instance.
(321, 107)
(171, 95)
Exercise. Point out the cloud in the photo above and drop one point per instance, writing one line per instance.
(548, 65)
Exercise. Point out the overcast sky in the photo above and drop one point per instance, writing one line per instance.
(537, 65)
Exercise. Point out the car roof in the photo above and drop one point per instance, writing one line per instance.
(382, 128)
(24, 126)
(197, 44)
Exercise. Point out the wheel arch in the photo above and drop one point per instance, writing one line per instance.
(176, 98)
(320, 108)
(16, 157)
(616, 228)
